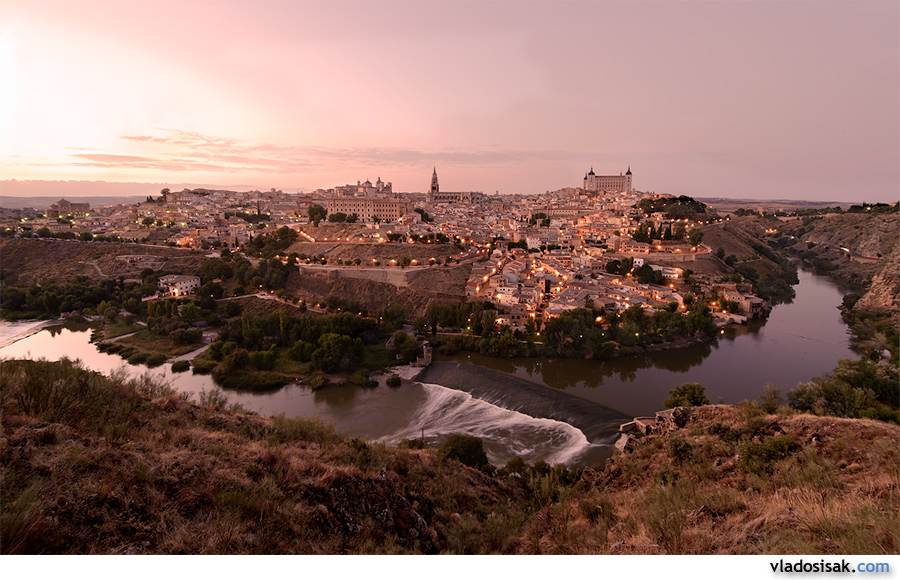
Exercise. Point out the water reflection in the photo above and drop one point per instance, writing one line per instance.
(802, 338)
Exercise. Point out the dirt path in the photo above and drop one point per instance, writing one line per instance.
(94, 264)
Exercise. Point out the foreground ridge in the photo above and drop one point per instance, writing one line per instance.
(111, 465)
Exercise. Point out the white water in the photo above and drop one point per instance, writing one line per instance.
(505, 433)
(11, 332)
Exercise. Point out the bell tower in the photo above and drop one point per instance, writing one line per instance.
(434, 186)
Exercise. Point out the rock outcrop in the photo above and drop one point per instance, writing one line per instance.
(884, 293)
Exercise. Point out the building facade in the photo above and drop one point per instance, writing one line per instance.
(386, 209)
(175, 285)
(64, 207)
(593, 182)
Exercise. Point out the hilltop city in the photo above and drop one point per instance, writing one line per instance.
(534, 256)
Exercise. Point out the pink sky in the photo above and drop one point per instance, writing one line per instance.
(729, 99)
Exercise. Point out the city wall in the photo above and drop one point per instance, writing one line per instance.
(393, 276)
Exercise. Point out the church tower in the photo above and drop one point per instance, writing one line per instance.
(434, 187)
(434, 182)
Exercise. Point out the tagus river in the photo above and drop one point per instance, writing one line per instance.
(559, 411)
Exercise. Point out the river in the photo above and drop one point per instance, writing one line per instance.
(559, 411)
(799, 340)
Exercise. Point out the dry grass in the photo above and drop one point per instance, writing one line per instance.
(93, 465)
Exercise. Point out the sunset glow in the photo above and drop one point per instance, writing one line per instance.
(732, 99)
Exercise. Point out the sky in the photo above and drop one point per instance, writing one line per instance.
(756, 99)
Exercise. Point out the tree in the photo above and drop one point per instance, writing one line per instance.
(286, 235)
(433, 316)
(686, 395)
(696, 236)
(147, 222)
(466, 449)
(337, 352)
(189, 313)
(316, 213)
(352, 218)
(337, 217)
(164, 192)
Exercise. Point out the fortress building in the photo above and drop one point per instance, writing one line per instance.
(435, 195)
(618, 182)
(367, 201)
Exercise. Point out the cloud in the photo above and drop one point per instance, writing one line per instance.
(111, 158)
(189, 151)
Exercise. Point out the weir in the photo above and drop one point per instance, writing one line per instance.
(599, 424)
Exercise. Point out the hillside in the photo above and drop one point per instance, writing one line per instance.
(33, 261)
(441, 284)
(92, 465)
(860, 250)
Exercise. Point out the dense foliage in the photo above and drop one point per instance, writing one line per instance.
(268, 245)
(681, 207)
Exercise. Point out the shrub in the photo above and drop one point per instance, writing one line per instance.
(771, 399)
(203, 367)
(830, 396)
(180, 366)
(250, 381)
(318, 382)
(514, 465)
(686, 395)
(412, 444)
(680, 450)
(881, 413)
(466, 449)
(724, 432)
(155, 360)
(361, 378)
(215, 400)
(760, 458)
(393, 381)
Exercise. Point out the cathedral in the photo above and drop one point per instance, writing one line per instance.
(435, 195)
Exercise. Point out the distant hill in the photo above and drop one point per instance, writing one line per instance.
(730, 204)
(43, 202)
(39, 194)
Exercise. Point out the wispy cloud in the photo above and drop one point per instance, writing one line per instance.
(192, 151)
